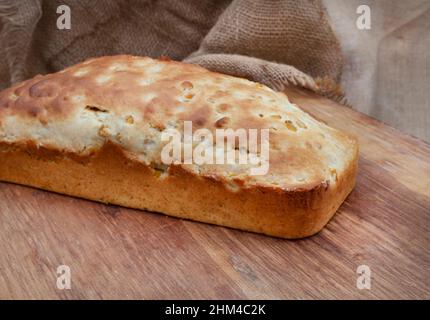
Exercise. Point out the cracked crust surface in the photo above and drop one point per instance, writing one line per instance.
(102, 120)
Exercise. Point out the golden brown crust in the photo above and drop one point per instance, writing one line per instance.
(74, 131)
(109, 176)
(130, 100)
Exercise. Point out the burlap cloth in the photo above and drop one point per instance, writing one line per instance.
(278, 43)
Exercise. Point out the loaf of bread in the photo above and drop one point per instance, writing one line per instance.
(95, 130)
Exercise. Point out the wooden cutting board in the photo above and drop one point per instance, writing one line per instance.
(115, 252)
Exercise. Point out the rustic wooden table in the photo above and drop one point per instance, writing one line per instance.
(115, 252)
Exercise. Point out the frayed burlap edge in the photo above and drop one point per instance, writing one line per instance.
(274, 75)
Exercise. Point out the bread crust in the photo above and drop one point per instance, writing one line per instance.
(94, 131)
(110, 176)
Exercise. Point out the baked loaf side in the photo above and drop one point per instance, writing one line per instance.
(94, 131)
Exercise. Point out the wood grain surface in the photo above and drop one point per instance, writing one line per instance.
(121, 253)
